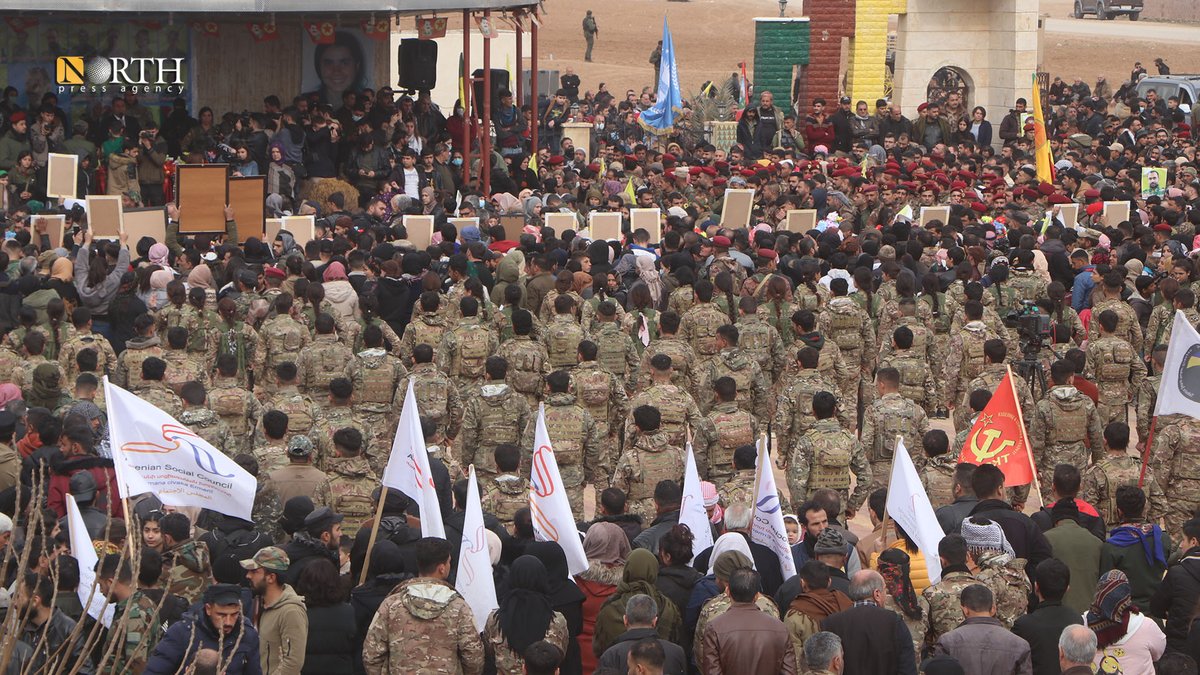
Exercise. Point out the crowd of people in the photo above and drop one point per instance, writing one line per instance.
(295, 358)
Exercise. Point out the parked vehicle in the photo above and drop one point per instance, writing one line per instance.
(1108, 9)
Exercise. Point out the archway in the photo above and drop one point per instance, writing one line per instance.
(949, 82)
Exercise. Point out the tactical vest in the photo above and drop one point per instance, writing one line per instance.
(525, 368)
(743, 377)
(939, 484)
(845, 327)
(726, 264)
(566, 427)
(734, 429)
(611, 347)
(671, 410)
(704, 331)
(593, 389)
(507, 495)
(299, 410)
(425, 333)
(352, 499)
(1069, 426)
(1115, 359)
(652, 466)
(1116, 472)
(499, 425)
(888, 427)
(682, 299)
(921, 337)
(830, 461)
(433, 396)
(973, 357)
(755, 339)
(563, 342)
(912, 377)
(180, 371)
(375, 385)
(286, 342)
(230, 404)
(474, 347)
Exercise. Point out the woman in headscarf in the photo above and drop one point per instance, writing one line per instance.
(606, 547)
(524, 617)
(156, 298)
(45, 389)
(201, 277)
(902, 598)
(94, 416)
(1127, 641)
(706, 587)
(565, 597)
(640, 577)
(340, 292)
(676, 576)
(160, 255)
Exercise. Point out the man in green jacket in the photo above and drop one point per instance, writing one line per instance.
(1079, 549)
(282, 618)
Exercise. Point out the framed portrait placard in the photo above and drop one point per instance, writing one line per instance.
(939, 213)
(800, 220)
(737, 207)
(303, 228)
(514, 226)
(62, 173)
(54, 225)
(649, 220)
(150, 222)
(104, 213)
(420, 230)
(202, 194)
(247, 197)
(1115, 213)
(605, 226)
(271, 228)
(561, 222)
(1069, 214)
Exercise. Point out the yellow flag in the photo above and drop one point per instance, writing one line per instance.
(533, 162)
(1041, 144)
(630, 191)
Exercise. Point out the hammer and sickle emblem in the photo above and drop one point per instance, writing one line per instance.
(982, 454)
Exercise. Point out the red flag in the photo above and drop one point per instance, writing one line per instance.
(321, 33)
(998, 437)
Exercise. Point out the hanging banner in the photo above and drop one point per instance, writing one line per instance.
(431, 28)
(320, 32)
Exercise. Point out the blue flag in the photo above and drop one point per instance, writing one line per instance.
(660, 117)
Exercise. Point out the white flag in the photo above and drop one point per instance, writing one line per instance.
(1179, 389)
(408, 467)
(548, 503)
(474, 579)
(909, 506)
(692, 512)
(85, 554)
(153, 452)
(767, 527)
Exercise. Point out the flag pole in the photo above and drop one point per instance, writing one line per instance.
(1037, 484)
(891, 469)
(362, 576)
(1146, 451)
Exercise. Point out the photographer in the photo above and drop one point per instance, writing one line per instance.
(46, 135)
(152, 152)
(123, 172)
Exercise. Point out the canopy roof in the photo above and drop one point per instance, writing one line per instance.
(260, 6)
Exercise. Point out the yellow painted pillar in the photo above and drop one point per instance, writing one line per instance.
(868, 51)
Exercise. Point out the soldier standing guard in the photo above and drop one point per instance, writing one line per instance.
(590, 31)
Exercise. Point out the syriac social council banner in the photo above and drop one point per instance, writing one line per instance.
(474, 580)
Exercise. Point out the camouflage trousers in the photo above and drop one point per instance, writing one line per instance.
(720, 477)
(796, 477)
(573, 479)
(1180, 509)
(384, 425)
(241, 444)
(1112, 411)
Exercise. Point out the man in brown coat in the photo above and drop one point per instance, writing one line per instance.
(982, 644)
(744, 639)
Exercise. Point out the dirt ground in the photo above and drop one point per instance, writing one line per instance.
(713, 36)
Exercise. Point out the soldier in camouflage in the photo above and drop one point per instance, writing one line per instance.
(424, 626)
(426, 327)
(940, 465)
(849, 327)
(1114, 468)
(699, 325)
(889, 417)
(494, 414)
(602, 393)
(376, 376)
(793, 406)
(528, 361)
(916, 376)
(1065, 428)
(945, 610)
(283, 337)
(616, 350)
(237, 406)
(824, 457)
(680, 414)
(507, 492)
(183, 366)
(995, 351)
(563, 334)
(761, 340)
(136, 624)
(300, 409)
(129, 364)
(753, 390)
(271, 451)
(1127, 327)
(203, 421)
(717, 435)
(299, 478)
(351, 480)
(1115, 366)
(466, 347)
(437, 397)
(187, 569)
(337, 412)
(740, 488)
(1176, 464)
(84, 338)
(648, 458)
(830, 361)
(669, 344)
(992, 560)
(154, 391)
(324, 359)
(574, 437)
(564, 282)
(965, 359)
(1147, 398)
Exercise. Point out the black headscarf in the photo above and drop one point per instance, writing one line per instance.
(562, 590)
(525, 612)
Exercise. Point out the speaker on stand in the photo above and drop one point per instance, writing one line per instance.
(417, 61)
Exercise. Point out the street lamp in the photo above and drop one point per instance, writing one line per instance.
(782, 7)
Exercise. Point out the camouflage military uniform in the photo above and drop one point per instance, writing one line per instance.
(1176, 464)
(296, 480)
(1118, 372)
(504, 495)
(283, 340)
(208, 425)
(239, 408)
(561, 339)
(718, 605)
(1026, 284)
(964, 362)
(493, 414)
(463, 352)
(850, 328)
(425, 328)
(128, 373)
(681, 300)
(137, 630)
(759, 338)
(528, 365)
(268, 510)
(182, 368)
(576, 443)
(824, 457)
(916, 378)
(546, 313)
(1147, 400)
(437, 398)
(1100, 482)
(300, 409)
(601, 393)
(892, 316)
(676, 407)
(331, 417)
(616, 352)
(683, 362)
(717, 435)
(324, 360)
(699, 327)
(23, 376)
(502, 324)
(991, 376)
(351, 482)
(1162, 317)
(1006, 577)
(106, 358)
(648, 459)
(938, 477)
(158, 395)
(270, 456)
(793, 407)
(738, 490)
(245, 344)
(1065, 424)
(508, 661)
(187, 570)
(945, 608)
(887, 418)
(1128, 327)
(424, 626)
(753, 390)
(376, 376)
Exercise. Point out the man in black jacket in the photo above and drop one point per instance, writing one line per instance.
(1042, 627)
(875, 640)
(320, 538)
(1027, 540)
(611, 509)
(1177, 595)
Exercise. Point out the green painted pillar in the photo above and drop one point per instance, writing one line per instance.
(780, 44)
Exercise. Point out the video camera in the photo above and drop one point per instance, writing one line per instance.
(1033, 327)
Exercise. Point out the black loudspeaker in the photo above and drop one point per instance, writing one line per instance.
(418, 64)
(499, 81)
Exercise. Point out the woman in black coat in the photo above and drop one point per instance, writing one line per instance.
(331, 626)
(565, 597)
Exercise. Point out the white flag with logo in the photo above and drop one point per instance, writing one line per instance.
(85, 554)
(692, 512)
(408, 471)
(474, 579)
(767, 526)
(153, 452)
(548, 503)
(1179, 388)
(908, 505)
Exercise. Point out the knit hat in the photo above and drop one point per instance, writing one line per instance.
(986, 537)
(730, 561)
(830, 541)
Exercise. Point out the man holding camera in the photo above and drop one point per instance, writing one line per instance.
(46, 135)
(152, 152)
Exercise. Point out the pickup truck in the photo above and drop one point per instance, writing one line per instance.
(1186, 87)
(1108, 9)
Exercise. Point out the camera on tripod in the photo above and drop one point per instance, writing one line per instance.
(1033, 327)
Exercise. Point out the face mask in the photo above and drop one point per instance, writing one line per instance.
(457, 161)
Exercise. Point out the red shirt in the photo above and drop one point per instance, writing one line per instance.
(1087, 387)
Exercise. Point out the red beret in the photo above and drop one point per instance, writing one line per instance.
(892, 165)
(998, 183)
(555, 160)
(967, 175)
(908, 185)
(721, 165)
(721, 241)
(1045, 189)
(922, 107)
(767, 254)
(942, 179)
(802, 165)
(1161, 227)
(708, 171)
(274, 273)
(631, 158)
(958, 185)
(594, 166)
(1094, 208)
(928, 162)
(695, 171)
(18, 116)
(978, 207)
(911, 167)
(1091, 194)
(747, 173)
(1059, 199)
(869, 187)
(718, 182)
(668, 157)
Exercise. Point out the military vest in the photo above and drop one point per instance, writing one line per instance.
(474, 348)
(845, 326)
(567, 428)
(611, 347)
(832, 451)
(562, 343)
(735, 428)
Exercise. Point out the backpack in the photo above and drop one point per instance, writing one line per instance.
(611, 347)
(563, 343)
(525, 370)
(592, 389)
(228, 550)
(433, 397)
(474, 347)
(830, 462)
(734, 429)
(230, 404)
(895, 423)
(845, 327)
(1114, 363)
(973, 356)
(912, 378)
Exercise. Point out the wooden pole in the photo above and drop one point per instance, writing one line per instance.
(485, 146)
(1037, 484)
(533, 83)
(362, 577)
(883, 518)
(468, 90)
(1146, 451)
(519, 86)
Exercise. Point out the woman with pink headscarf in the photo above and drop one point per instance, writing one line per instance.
(339, 292)
(157, 297)
(160, 255)
(201, 277)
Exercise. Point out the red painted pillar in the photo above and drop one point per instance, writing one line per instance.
(533, 81)
(468, 114)
(485, 167)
